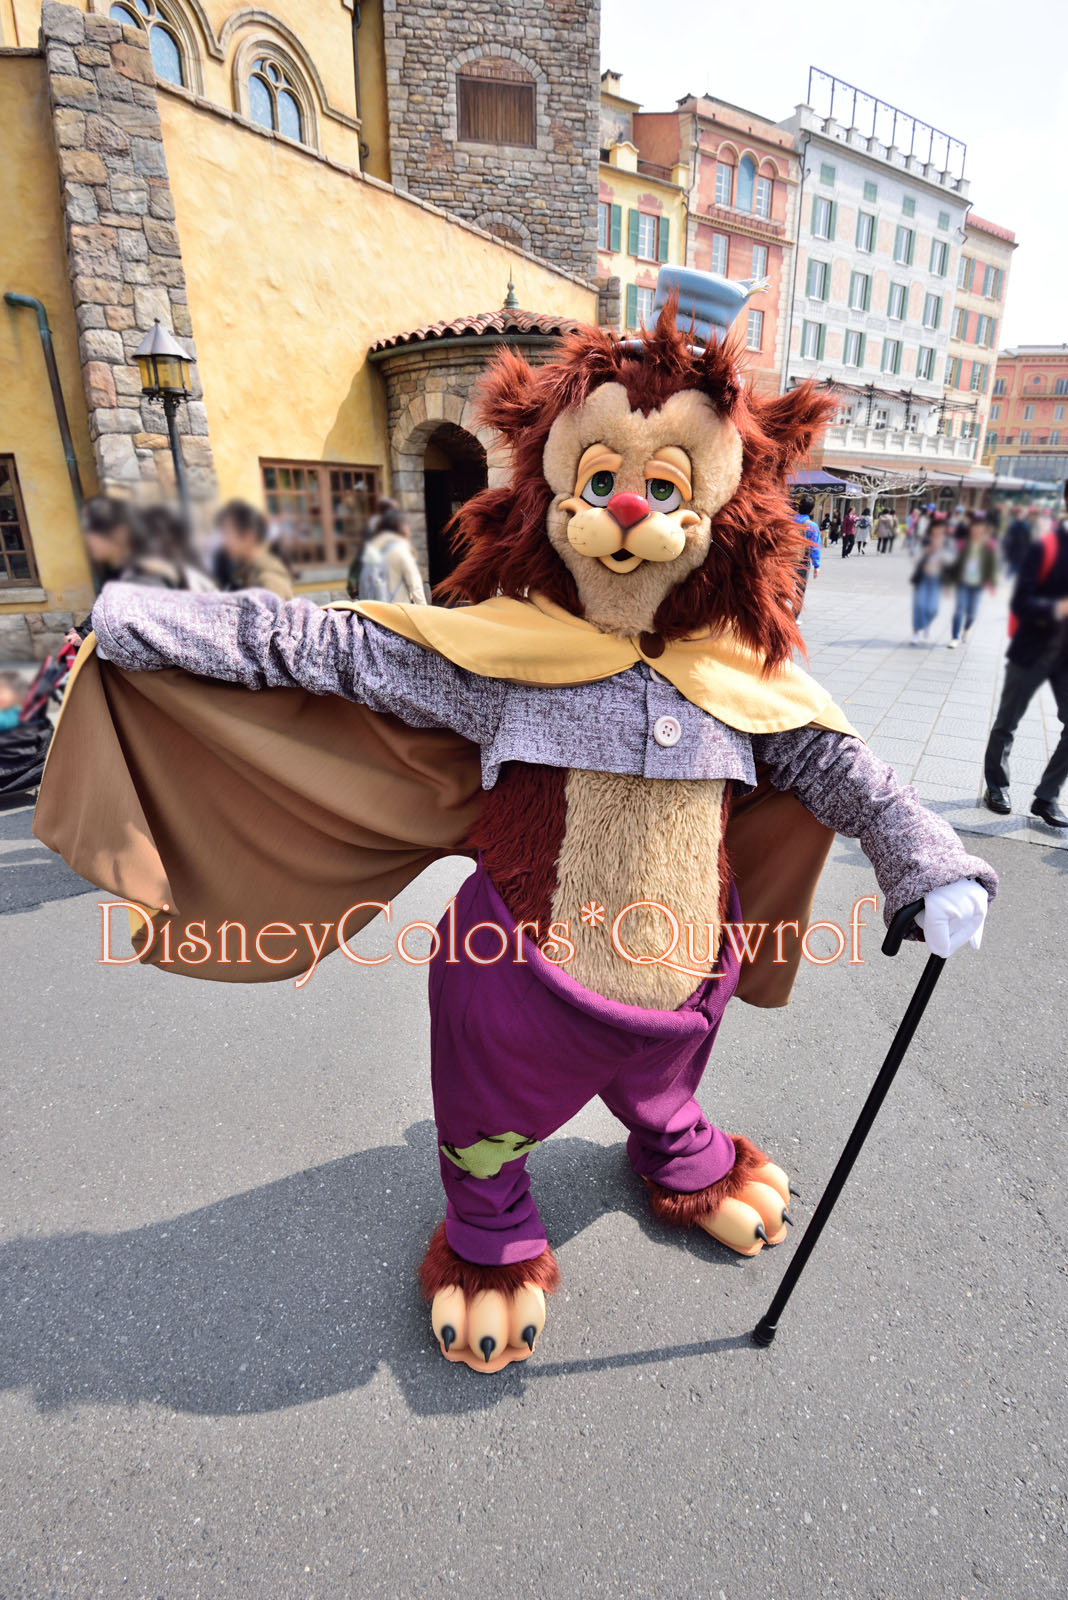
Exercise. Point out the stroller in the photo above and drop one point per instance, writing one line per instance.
(24, 747)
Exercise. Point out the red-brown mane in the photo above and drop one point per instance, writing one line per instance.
(750, 574)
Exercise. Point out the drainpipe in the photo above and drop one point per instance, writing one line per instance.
(45, 332)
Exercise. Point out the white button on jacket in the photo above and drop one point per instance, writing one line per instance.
(667, 731)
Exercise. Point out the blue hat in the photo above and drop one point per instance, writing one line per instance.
(706, 301)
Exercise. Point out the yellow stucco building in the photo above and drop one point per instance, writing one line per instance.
(641, 207)
(227, 169)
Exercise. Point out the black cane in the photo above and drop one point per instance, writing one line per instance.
(768, 1326)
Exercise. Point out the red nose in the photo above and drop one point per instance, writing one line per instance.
(628, 509)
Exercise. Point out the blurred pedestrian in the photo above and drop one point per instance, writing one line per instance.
(885, 533)
(849, 531)
(834, 532)
(1017, 542)
(385, 568)
(250, 561)
(811, 557)
(148, 546)
(1037, 654)
(12, 695)
(863, 530)
(926, 579)
(972, 569)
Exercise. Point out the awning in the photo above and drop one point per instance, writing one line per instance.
(816, 478)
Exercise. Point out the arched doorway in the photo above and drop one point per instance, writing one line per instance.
(454, 469)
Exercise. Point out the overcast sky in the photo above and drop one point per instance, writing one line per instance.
(989, 73)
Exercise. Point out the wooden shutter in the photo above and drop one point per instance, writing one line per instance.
(632, 233)
(821, 336)
(495, 111)
(810, 279)
(632, 299)
(860, 352)
(867, 291)
(815, 204)
(833, 224)
(615, 228)
(663, 234)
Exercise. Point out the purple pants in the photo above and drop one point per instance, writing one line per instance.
(518, 1047)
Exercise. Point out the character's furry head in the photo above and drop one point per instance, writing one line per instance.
(648, 491)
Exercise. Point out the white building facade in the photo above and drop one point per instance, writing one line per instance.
(881, 224)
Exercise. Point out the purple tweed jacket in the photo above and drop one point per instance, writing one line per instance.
(255, 639)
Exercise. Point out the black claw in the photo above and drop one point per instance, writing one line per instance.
(529, 1335)
(487, 1347)
(787, 1218)
(761, 1233)
(794, 1191)
(448, 1334)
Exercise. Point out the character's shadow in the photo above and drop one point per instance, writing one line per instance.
(287, 1293)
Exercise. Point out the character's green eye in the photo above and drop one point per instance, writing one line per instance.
(600, 488)
(663, 494)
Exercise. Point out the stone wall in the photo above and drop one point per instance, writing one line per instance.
(123, 250)
(427, 385)
(544, 197)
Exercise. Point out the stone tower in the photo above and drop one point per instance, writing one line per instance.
(493, 116)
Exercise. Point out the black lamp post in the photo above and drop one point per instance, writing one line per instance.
(164, 368)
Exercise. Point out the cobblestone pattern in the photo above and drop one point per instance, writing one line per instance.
(124, 255)
(549, 192)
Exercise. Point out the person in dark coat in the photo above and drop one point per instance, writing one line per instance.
(1038, 654)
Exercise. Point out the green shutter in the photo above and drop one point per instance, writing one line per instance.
(820, 342)
(808, 279)
(615, 228)
(970, 272)
(664, 233)
(938, 311)
(815, 203)
(834, 220)
(632, 302)
(867, 292)
(993, 332)
(860, 352)
(912, 245)
(632, 235)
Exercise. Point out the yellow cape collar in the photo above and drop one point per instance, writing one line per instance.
(536, 641)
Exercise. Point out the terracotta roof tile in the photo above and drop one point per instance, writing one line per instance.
(484, 323)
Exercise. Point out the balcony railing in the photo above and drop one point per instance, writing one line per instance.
(653, 169)
(889, 442)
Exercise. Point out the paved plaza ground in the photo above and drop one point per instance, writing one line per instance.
(218, 1380)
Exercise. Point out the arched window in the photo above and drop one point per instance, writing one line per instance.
(746, 184)
(272, 99)
(162, 37)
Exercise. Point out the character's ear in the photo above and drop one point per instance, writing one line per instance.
(793, 421)
(509, 396)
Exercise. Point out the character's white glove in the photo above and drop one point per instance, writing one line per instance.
(954, 916)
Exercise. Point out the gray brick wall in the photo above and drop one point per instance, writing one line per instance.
(546, 195)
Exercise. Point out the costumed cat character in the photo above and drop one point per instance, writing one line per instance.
(610, 720)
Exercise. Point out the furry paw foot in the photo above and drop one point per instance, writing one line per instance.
(756, 1215)
(488, 1330)
(486, 1317)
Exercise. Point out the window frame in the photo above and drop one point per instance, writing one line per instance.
(891, 344)
(761, 271)
(909, 235)
(925, 367)
(895, 289)
(759, 345)
(714, 250)
(820, 339)
(818, 201)
(465, 81)
(726, 167)
(863, 278)
(939, 253)
(932, 303)
(872, 232)
(763, 195)
(334, 554)
(861, 339)
(822, 271)
(9, 585)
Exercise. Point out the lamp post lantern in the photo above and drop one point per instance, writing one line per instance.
(164, 368)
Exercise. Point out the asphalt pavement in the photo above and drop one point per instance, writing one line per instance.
(218, 1378)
